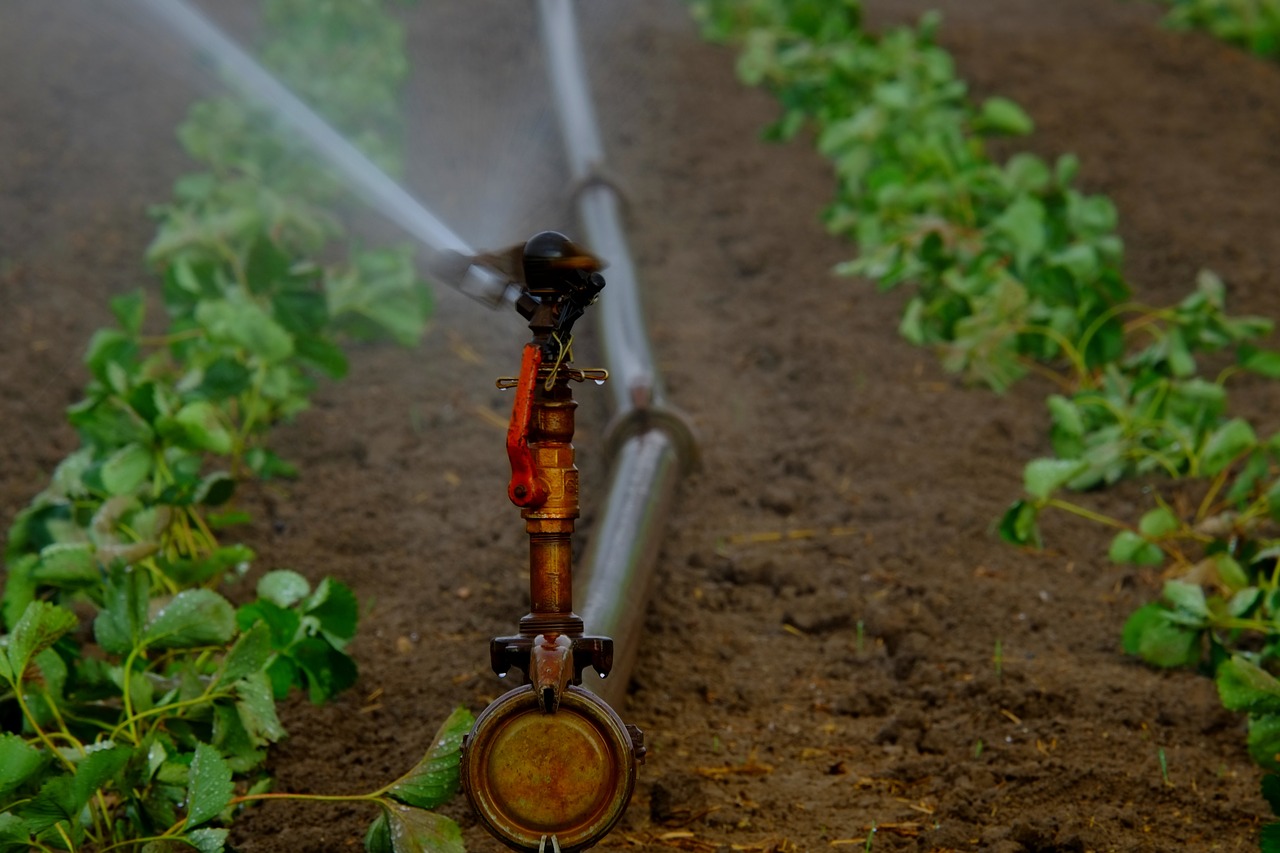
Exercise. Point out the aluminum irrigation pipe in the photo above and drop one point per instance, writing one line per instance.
(652, 443)
(378, 189)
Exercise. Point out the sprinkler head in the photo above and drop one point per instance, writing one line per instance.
(555, 266)
(560, 274)
(541, 781)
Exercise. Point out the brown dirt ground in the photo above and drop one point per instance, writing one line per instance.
(814, 415)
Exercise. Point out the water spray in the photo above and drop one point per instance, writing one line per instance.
(449, 257)
(549, 765)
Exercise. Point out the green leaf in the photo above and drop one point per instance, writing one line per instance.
(109, 348)
(1245, 686)
(1269, 838)
(1150, 634)
(209, 787)
(1227, 443)
(434, 780)
(1271, 791)
(1231, 573)
(1264, 740)
(267, 465)
(129, 310)
(15, 835)
(413, 830)
(19, 762)
(378, 837)
(1158, 522)
(208, 840)
(118, 626)
(283, 587)
(283, 623)
(1018, 525)
(244, 323)
(223, 378)
(54, 803)
(125, 470)
(215, 489)
(1001, 115)
(326, 356)
(1129, 547)
(256, 706)
(250, 654)
(102, 763)
(66, 564)
(203, 427)
(1265, 362)
(328, 670)
(1042, 477)
(334, 605)
(41, 625)
(195, 617)
(1023, 224)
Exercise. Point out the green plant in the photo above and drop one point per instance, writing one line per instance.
(1251, 24)
(137, 745)
(139, 700)
(1015, 270)
(1010, 263)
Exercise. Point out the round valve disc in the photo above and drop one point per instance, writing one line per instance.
(530, 775)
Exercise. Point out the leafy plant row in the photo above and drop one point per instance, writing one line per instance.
(1251, 24)
(1016, 270)
(136, 700)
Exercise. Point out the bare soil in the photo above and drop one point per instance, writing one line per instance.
(883, 660)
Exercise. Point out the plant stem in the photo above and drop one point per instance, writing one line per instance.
(375, 797)
(1076, 509)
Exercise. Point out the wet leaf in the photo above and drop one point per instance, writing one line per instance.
(100, 766)
(434, 780)
(283, 587)
(208, 840)
(118, 626)
(15, 835)
(209, 787)
(67, 564)
(19, 762)
(334, 605)
(410, 830)
(195, 617)
(249, 655)
(256, 705)
(39, 628)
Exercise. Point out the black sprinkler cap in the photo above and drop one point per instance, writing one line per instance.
(554, 265)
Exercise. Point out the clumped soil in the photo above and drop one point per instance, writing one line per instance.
(885, 661)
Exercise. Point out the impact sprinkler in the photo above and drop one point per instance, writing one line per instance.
(549, 766)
